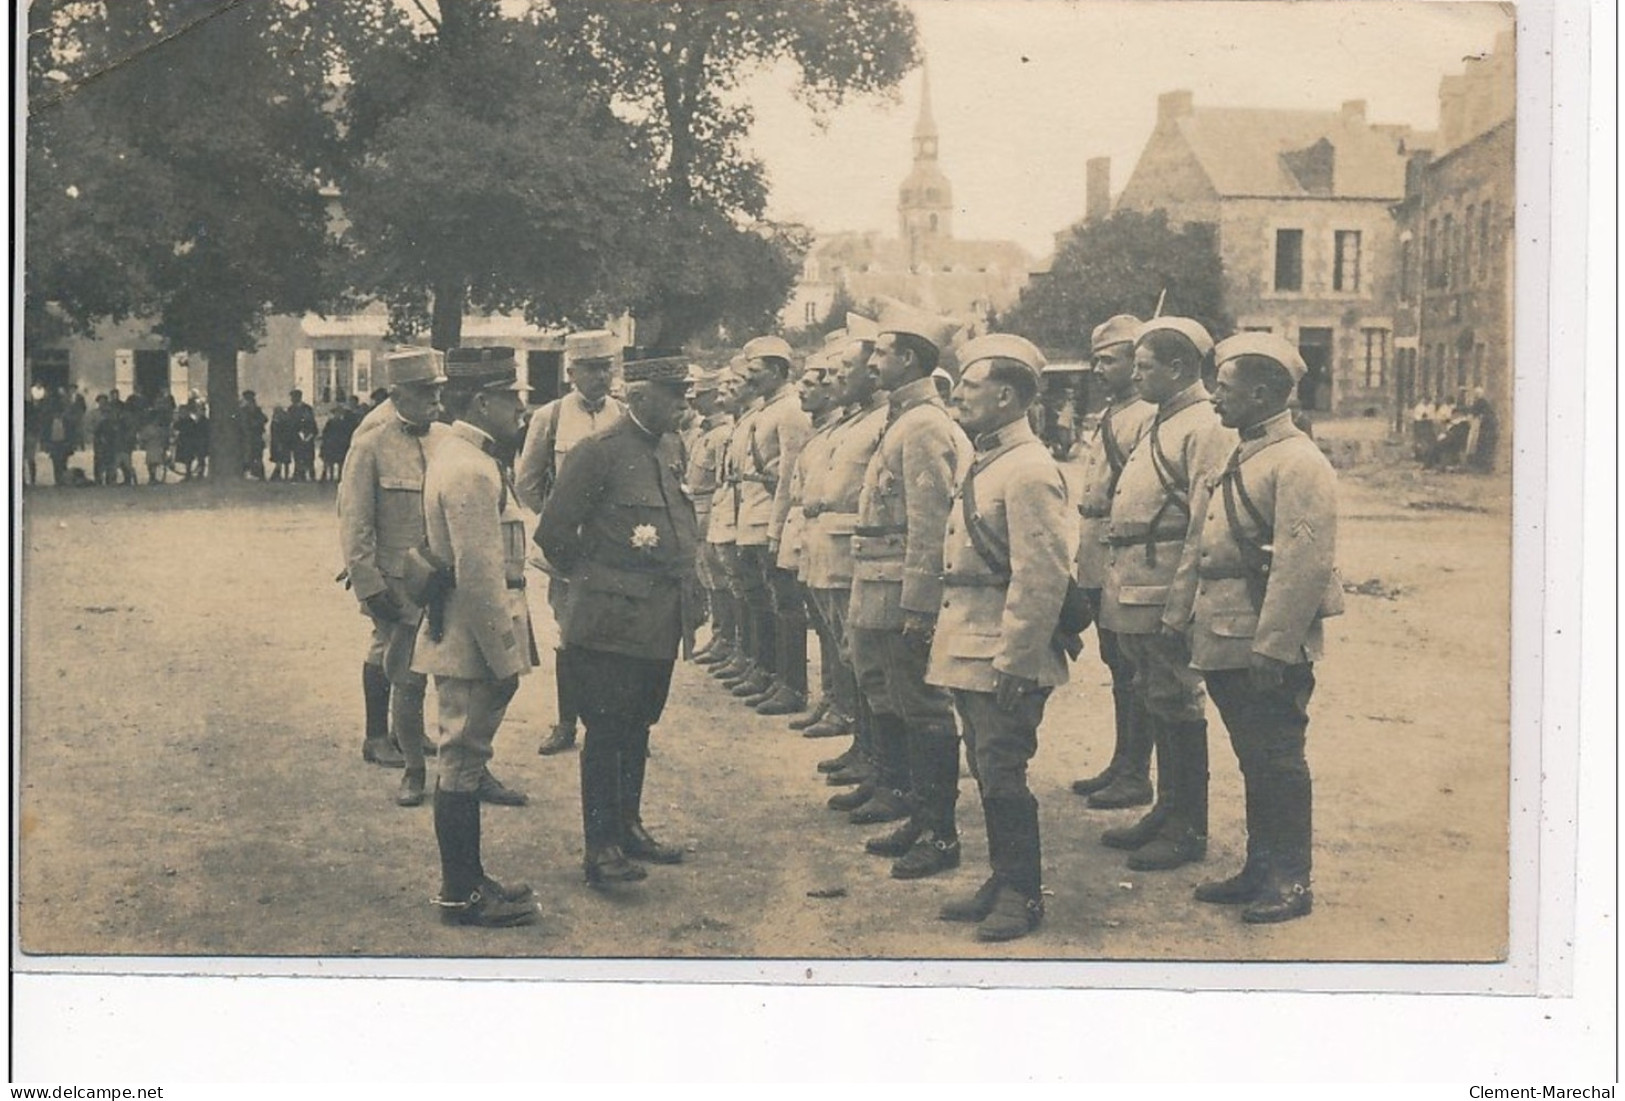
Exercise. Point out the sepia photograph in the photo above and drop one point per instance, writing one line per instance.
(766, 480)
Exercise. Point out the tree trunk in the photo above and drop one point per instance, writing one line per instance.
(446, 320)
(225, 428)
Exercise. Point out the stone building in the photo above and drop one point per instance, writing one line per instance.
(1457, 245)
(1302, 201)
(925, 264)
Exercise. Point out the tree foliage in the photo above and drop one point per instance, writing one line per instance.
(1122, 264)
(677, 66)
(173, 150)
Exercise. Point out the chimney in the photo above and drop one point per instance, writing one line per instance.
(1173, 106)
(1097, 194)
(1353, 110)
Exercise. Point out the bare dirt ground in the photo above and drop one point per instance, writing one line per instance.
(191, 784)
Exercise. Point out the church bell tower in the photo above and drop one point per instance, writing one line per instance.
(925, 201)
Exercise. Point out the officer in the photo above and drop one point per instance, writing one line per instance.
(621, 529)
(380, 500)
(554, 429)
(1006, 560)
(819, 399)
(475, 639)
(731, 655)
(831, 510)
(908, 489)
(773, 439)
(1257, 580)
(1126, 780)
(1150, 520)
(702, 480)
(746, 673)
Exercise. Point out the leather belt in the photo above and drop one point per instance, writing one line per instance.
(881, 529)
(1094, 513)
(1227, 573)
(1146, 539)
(515, 582)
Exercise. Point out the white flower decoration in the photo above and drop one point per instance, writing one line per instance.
(645, 537)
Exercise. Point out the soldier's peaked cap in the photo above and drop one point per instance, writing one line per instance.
(1192, 331)
(668, 370)
(1001, 346)
(901, 318)
(405, 366)
(859, 327)
(764, 347)
(703, 379)
(1114, 330)
(492, 368)
(1268, 345)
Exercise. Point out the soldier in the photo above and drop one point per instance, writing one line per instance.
(1256, 580)
(702, 480)
(908, 489)
(253, 422)
(819, 400)
(831, 510)
(1150, 520)
(773, 439)
(744, 584)
(475, 639)
(1007, 559)
(380, 501)
(621, 529)
(1126, 780)
(731, 655)
(554, 429)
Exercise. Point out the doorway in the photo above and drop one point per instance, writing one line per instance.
(151, 373)
(544, 375)
(1315, 390)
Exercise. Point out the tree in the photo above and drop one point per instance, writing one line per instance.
(1122, 264)
(675, 65)
(173, 150)
(481, 173)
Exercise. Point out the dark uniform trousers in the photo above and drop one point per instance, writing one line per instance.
(621, 698)
(391, 650)
(998, 745)
(1126, 706)
(752, 566)
(558, 592)
(470, 713)
(832, 606)
(1267, 731)
(775, 602)
(891, 668)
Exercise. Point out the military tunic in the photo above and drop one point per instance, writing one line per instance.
(831, 505)
(773, 438)
(544, 449)
(789, 513)
(473, 524)
(1105, 453)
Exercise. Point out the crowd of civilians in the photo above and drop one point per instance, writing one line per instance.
(171, 439)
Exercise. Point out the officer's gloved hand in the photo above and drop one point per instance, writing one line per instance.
(383, 606)
(1266, 674)
(1009, 689)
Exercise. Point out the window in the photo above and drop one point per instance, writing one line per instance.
(1405, 270)
(1447, 249)
(332, 373)
(1430, 258)
(1478, 365)
(1484, 241)
(1469, 272)
(1376, 358)
(1346, 260)
(361, 383)
(811, 317)
(1289, 259)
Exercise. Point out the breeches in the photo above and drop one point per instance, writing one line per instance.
(998, 744)
(391, 648)
(470, 711)
(1266, 728)
(1167, 686)
(891, 675)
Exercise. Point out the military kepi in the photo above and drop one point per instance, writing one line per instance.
(1192, 331)
(1001, 346)
(1114, 330)
(669, 370)
(406, 366)
(767, 347)
(492, 368)
(1268, 345)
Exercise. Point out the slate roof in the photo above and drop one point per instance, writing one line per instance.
(1241, 151)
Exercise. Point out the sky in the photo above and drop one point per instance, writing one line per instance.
(1026, 91)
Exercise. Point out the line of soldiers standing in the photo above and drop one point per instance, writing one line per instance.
(937, 555)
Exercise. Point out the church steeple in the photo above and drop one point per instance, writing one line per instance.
(925, 201)
(925, 127)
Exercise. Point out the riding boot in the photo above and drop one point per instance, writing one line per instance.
(635, 839)
(1183, 837)
(1018, 906)
(457, 830)
(1130, 783)
(1122, 699)
(1246, 884)
(790, 648)
(1151, 823)
(406, 720)
(934, 767)
(1288, 810)
(375, 745)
